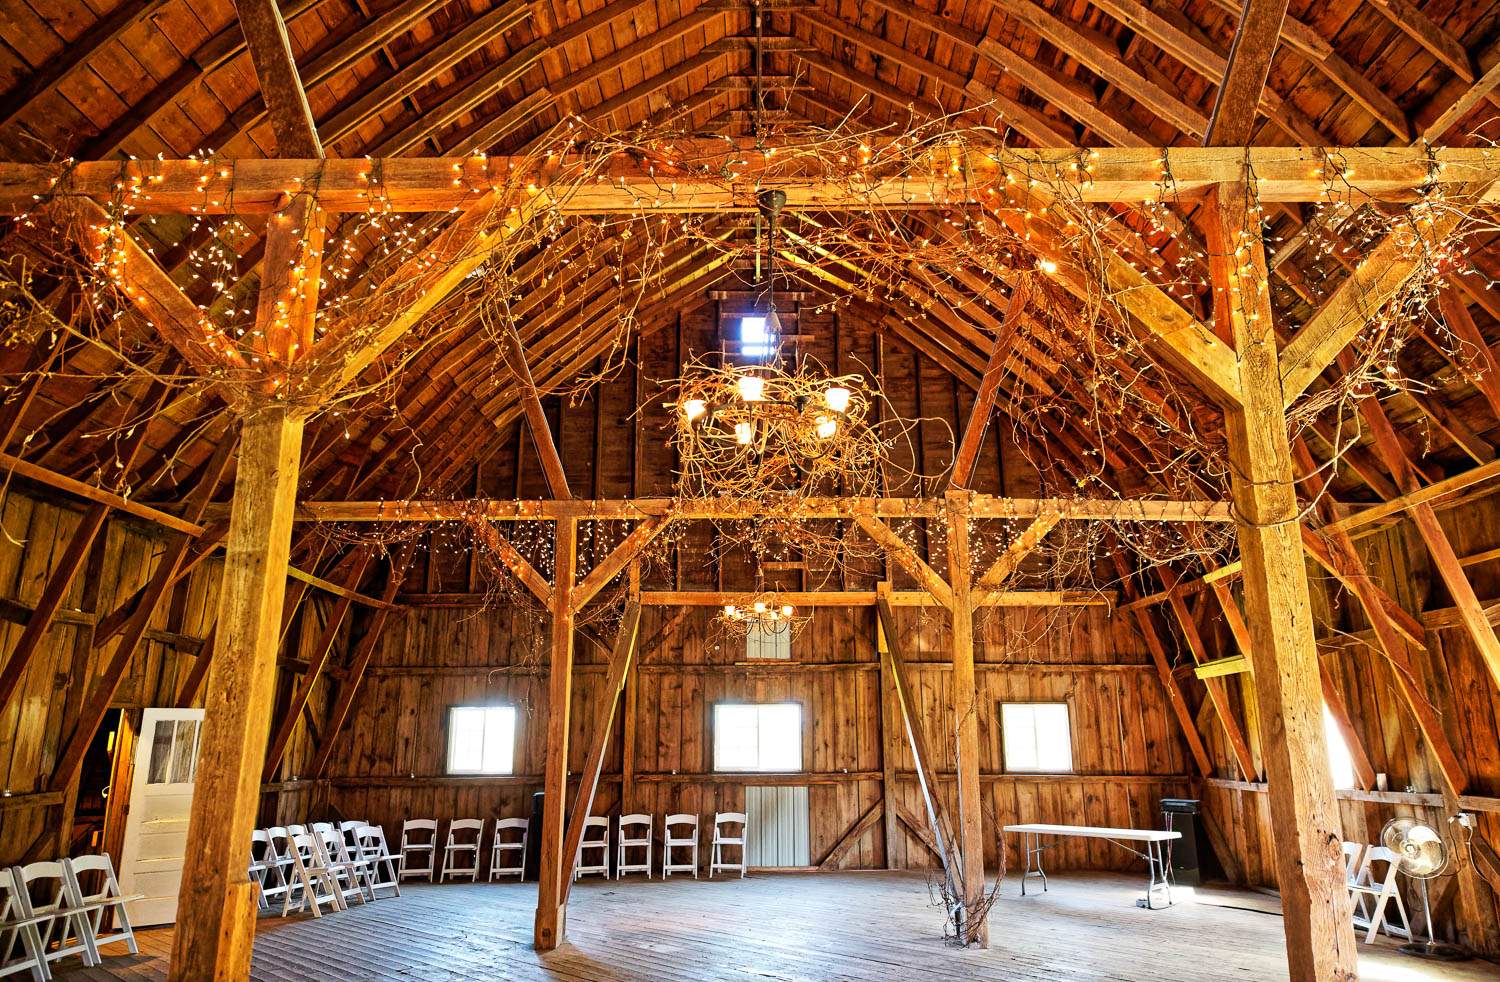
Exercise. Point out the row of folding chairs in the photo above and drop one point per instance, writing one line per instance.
(47, 914)
(680, 836)
(322, 865)
(461, 850)
(1372, 889)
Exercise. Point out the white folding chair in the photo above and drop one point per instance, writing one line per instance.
(675, 840)
(20, 942)
(318, 828)
(312, 883)
(279, 841)
(498, 866)
(721, 839)
(107, 898)
(459, 846)
(263, 866)
(371, 846)
(1381, 892)
(348, 829)
(412, 847)
(59, 921)
(631, 836)
(352, 875)
(587, 844)
(1356, 874)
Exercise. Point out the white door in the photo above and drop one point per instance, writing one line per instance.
(161, 798)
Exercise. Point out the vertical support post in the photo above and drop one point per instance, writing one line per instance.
(551, 914)
(890, 727)
(1283, 650)
(216, 925)
(976, 928)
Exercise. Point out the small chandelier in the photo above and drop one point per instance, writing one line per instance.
(765, 613)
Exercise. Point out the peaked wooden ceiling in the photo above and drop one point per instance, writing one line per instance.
(423, 77)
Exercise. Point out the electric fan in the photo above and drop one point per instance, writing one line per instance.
(1422, 856)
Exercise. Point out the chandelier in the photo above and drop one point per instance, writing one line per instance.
(752, 430)
(763, 613)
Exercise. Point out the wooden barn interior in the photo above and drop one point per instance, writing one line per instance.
(958, 439)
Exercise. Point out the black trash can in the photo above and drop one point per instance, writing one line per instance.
(532, 864)
(1181, 815)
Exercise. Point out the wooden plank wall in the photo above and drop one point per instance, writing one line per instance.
(1454, 680)
(1125, 751)
(35, 723)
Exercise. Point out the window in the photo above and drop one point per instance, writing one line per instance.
(761, 643)
(764, 737)
(1036, 737)
(755, 337)
(174, 752)
(481, 740)
(1340, 761)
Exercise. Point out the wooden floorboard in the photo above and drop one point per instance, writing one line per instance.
(859, 927)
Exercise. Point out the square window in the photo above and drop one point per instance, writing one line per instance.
(772, 643)
(481, 740)
(755, 337)
(1036, 737)
(758, 737)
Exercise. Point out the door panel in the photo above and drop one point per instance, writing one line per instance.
(161, 799)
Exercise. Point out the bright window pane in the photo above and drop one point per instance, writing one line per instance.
(1340, 762)
(755, 339)
(481, 740)
(758, 737)
(781, 737)
(1036, 737)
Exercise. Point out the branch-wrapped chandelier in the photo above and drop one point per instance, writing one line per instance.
(753, 430)
(765, 613)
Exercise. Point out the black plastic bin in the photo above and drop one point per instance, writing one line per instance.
(1181, 815)
(532, 865)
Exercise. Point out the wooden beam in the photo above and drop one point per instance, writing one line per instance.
(1283, 647)
(88, 492)
(635, 509)
(315, 664)
(512, 560)
(1001, 355)
(890, 729)
(359, 662)
(942, 831)
(1244, 81)
(619, 557)
(216, 914)
(604, 720)
(280, 85)
(551, 911)
(1378, 278)
(536, 416)
(1009, 560)
(1175, 698)
(847, 841)
(404, 184)
(1217, 693)
(53, 594)
(975, 928)
(904, 556)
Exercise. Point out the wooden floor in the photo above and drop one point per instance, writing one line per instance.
(858, 926)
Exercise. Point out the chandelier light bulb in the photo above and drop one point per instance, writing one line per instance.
(837, 398)
(760, 606)
(694, 408)
(752, 389)
(744, 431)
(786, 610)
(827, 427)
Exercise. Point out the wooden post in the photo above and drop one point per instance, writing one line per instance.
(1283, 652)
(890, 724)
(976, 929)
(216, 912)
(551, 912)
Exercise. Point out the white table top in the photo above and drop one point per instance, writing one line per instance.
(1093, 832)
